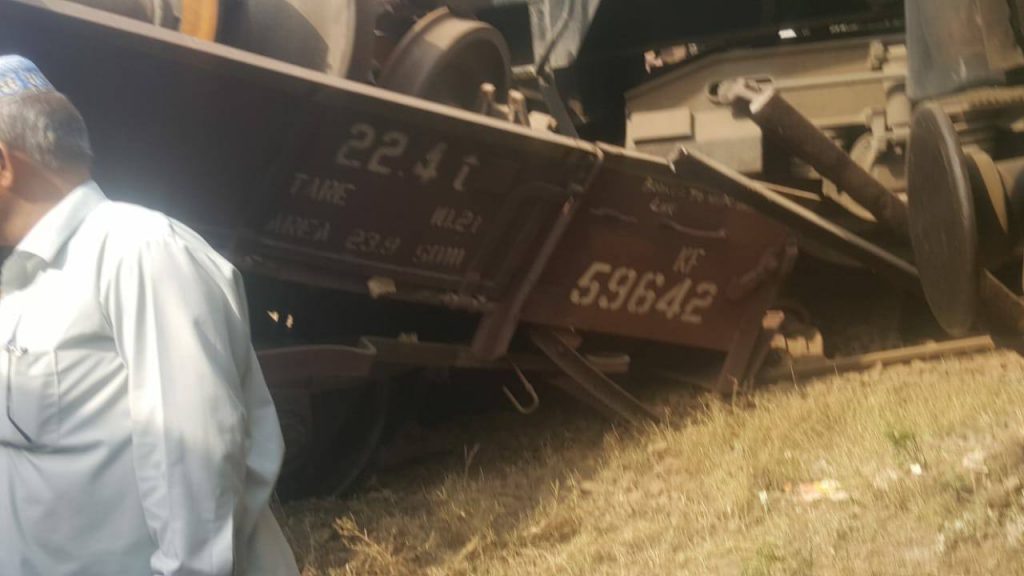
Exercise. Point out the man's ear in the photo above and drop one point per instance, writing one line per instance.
(6, 168)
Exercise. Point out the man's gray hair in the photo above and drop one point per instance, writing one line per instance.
(48, 129)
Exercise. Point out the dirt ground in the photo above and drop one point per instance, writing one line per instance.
(914, 469)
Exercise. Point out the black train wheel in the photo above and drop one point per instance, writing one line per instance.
(445, 59)
(331, 438)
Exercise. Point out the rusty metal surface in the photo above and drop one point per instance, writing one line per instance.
(751, 341)
(589, 384)
(330, 182)
(498, 327)
(466, 225)
(657, 257)
(694, 165)
(296, 169)
(308, 177)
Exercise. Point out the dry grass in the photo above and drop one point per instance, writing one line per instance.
(713, 492)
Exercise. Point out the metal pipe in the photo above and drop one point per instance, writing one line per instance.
(838, 80)
(783, 123)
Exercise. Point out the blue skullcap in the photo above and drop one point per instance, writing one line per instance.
(19, 76)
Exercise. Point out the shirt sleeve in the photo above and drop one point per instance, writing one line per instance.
(180, 325)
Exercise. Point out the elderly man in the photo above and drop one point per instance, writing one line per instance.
(137, 435)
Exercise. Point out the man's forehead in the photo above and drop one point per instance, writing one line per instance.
(19, 76)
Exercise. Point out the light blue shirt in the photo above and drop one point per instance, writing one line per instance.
(137, 435)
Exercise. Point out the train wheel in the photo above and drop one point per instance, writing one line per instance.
(331, 438)
(333, 36)
(943, 223)
(446, 59)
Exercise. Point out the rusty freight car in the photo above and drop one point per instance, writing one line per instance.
(408, 185)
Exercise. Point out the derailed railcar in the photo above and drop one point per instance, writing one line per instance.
(382, 233)
(402, 206)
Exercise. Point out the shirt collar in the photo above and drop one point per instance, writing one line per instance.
(56, 227)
